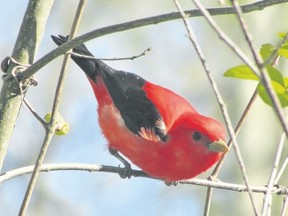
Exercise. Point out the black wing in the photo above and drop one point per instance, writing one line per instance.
(138, 112)
(140, 115)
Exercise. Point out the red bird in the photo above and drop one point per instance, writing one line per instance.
(156, 129)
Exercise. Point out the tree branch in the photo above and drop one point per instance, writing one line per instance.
(279, 190)
(28, 40)
(260, 5)
(50, 130)
(214, 86)
(273, 175)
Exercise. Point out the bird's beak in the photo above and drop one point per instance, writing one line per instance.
(218, 146)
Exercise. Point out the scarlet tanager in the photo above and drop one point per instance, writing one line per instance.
(156, 129)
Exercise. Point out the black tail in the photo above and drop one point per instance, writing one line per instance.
(91, 67)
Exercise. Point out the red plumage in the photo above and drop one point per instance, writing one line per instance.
(155, 128)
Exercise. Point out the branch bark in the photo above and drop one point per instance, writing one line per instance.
(28, 40)
(260, 5)
(52, 124)
(279, 190)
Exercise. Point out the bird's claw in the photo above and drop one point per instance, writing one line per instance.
(171, 183)
(214, 179)
(126, 171)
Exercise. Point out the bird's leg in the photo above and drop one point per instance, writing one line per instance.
(173, 183)
(127, 172)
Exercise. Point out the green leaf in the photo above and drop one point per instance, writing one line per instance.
(241, 72)
(279, 84)
(283, 51)
(282, 34)
(285, 82)
(281, 92)
(275, 75)
(266, 51)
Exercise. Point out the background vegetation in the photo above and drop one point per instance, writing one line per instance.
(172, 63)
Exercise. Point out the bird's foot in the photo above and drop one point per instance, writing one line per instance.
(171, 183)
(213, 178)
(126, 171)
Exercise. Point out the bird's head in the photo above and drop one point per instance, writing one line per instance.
(200, 131)
(198, 143)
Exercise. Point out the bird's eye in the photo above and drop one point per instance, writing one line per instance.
(196, 136)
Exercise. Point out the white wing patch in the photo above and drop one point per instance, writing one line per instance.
(149, 133)
(161, 125)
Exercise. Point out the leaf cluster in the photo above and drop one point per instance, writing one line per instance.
(270, 55)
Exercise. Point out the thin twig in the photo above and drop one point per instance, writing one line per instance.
(135, 173)
(284, 206)
(225, 38)
(52, 57)
(67, 167)
(39, 118)
(274, 56)
(51, 126)
(137, 24)
(265, 79)
(281, 171)
(273, 96)
(247, 35)
(237, 130)
(208, 201)
(221, 162)
(217, 93)
(267, 198)
(111, 59)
